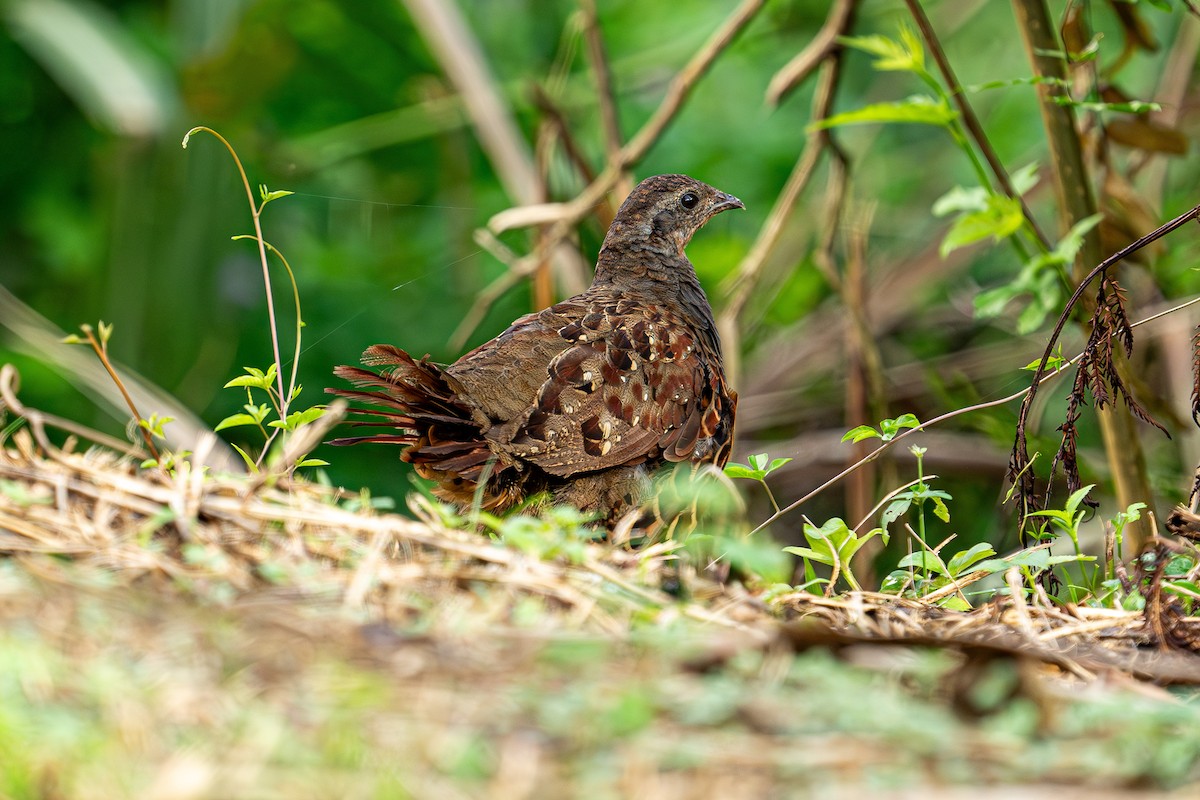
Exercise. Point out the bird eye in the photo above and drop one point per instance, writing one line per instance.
(689, 200)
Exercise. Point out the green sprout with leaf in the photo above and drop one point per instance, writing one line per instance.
(758, 469)
(888, 429)
(270, 381)
(834, 544)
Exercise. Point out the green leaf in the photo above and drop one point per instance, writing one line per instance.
(919, 109)
(961, 561)
(254, 378)
(891, 427)
(236, 420)
(860, 433)
(312, 462)
(1001, 217)
(896, 509)
(906, 55)
(249, 461)
(155, 425)
(268, 196)
(810, 554)
(1025, 178)
(740, 471)
(923, 560)
(298, 418)
(1068, 247)
(961, 198)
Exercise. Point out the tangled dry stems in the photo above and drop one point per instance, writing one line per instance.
(228, 538)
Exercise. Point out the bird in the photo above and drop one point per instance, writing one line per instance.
(579, 403)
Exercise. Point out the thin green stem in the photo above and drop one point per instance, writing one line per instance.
(102, 353)
(770, 496)
(256, 213)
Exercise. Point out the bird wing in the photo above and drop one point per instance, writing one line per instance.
(630, 383)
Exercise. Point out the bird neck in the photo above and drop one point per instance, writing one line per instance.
(652, 260)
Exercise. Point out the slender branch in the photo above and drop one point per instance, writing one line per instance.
(605, 96)
(839, 20)
(101, 349)
(970, 120)
(747, 273)
(566, 214)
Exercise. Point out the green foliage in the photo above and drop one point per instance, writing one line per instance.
(558, 532)
(919, 109)
(1041, 278)
(833, 544)
(888, 429)
(757, 469)
(981, 213)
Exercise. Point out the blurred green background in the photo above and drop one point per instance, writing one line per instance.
(104, 216)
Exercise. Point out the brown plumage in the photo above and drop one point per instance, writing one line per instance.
(584, 398)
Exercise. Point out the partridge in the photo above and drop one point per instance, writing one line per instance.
(583, 400)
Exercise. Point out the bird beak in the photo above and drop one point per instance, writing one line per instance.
(727, 201)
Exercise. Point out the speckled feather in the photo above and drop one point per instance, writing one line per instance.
(584, 398)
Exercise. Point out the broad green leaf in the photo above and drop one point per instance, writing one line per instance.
(825, 557)
(742, 471)
(918, 109)
(1024, 178)
(896, 509)
(1068, 247)
(889, 428)
(1002, 217)
(961, 561)
(961, 198)
(924, 560)
(236, 420)
(298, 418)
(860, 433)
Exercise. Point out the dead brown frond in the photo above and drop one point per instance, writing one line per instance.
(1096, 374)
(1096, 371)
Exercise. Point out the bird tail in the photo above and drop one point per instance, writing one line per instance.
(415, 404)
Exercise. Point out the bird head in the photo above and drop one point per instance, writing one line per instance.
(663, 212)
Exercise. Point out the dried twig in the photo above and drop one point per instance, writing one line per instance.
(566, 214)
(796, 71)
